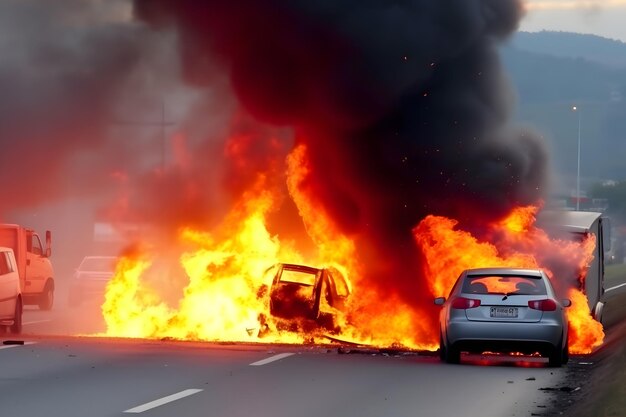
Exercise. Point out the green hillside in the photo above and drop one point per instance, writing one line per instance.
(573, 45)
(549, 82)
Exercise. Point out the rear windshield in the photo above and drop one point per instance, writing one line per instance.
(298, 277)
(98, 264)
(504, 284)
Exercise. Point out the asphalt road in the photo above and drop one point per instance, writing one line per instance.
(57, 375)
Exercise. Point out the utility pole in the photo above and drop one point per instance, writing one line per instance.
(162, 123)
(577, 110)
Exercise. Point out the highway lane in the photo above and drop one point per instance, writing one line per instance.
(69, 376)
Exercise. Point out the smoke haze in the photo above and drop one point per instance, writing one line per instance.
(403, 107)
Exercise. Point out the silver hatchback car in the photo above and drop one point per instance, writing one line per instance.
(505, 310)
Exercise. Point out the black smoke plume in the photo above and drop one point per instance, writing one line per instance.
(403, 106)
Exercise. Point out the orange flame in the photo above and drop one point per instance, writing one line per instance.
(586, 333)
(218, 287)
(225, 294)
(449, 251)
(224, 274)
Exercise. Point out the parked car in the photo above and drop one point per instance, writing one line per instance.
(503, 310)
(90, 278)
(11, 302)
(303, 292)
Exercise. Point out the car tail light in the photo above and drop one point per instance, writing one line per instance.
(543, 305)
(465, 303)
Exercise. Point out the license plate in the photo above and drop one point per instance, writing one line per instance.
(503, 312)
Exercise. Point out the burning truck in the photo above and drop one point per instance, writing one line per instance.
(578, 226)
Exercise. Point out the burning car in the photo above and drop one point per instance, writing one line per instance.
(503, 310)
(303, 292)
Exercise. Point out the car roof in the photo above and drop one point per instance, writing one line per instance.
(504, 271)
(573, 221)
(297, 267)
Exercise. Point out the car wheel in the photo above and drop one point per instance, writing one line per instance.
(47, 298)
(442, 349)
(452, 354)
(555, 359)
(565, 356)
(16, 328)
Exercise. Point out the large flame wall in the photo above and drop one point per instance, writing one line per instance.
(224, 288)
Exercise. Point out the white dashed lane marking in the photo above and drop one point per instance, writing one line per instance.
(16, 345)
(271, 359)
(164, 400)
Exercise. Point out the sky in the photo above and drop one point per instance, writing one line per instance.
(599, 17)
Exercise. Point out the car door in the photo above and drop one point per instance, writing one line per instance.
(35, 265)
(7, 286)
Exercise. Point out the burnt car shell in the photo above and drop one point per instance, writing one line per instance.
(299, 291)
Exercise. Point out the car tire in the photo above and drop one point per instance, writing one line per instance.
(555, 359)
(442, 349)
(46, 299)
(565, 356)
(16, 327)
(452, 355)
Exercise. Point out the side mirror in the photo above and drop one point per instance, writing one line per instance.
(440, 300)
(566, 303)
(48, 243)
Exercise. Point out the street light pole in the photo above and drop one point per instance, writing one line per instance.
(577, 110)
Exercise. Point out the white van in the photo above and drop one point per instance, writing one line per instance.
(10, 292)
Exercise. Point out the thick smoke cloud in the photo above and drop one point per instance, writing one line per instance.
(59, 75)
(82, 85)
(403, 106)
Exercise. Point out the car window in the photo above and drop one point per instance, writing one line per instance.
(504, 284)
(298, 277)
(5, 264)
(98, 264)
(456, 284)
(341, 285)
(35, 245)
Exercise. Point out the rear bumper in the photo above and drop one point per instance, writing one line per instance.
(476, 336)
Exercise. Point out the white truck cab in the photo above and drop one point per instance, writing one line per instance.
(579, 224)
(33, 263)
